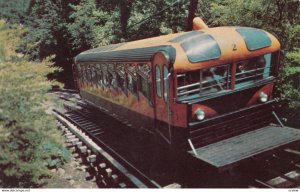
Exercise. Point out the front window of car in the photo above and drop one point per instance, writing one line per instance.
(217, 79)
(203, 82)
(252, 70)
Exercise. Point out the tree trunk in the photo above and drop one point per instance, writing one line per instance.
(191, 16)
(125, 10)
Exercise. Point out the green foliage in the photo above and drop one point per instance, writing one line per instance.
(290, 90)
(56, 156)
(14, 11)
(29, 139)
(171, 20)
(45, 30)
(47, 35)
(108, 22)
(82, 29)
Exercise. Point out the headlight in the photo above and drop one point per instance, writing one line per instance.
(263, 97)
(200, 114)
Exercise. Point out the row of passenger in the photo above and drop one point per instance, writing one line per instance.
(126, 77)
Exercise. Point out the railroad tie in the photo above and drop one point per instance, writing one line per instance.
(89, 176)
(76, 156)
(111, 179)
(74, 141)
(72, 149)
(83, 149)
(79, 144)
(99, 176)
(68, 134)
(122, 185)
(92, 158)
(102, 166)
(69, 137)
(91, 172)
(114, 178)
(89, 152)
(64, 127)
(104, 182)
(103, 172)
(69, 145)
(173, 186)
(81, 156)
(108, 172)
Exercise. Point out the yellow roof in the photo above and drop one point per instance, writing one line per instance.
(233, 46)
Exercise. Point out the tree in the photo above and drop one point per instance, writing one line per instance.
(66, 28)
(191, 16)
(14, 11)
(29, 140)
(125, 10)
(82, 29)
(48, 35)
(153, 18)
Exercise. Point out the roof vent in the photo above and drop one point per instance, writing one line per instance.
(199, 24)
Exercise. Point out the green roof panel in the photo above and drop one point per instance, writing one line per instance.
(254, 38)
(201, 48)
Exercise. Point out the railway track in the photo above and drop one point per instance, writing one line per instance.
(113, 161)
(279, 170)
(103, 164)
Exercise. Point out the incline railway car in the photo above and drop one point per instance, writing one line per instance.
(208, 90)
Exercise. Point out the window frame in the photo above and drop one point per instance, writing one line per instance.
(254, 81)
(166, 83)
(231, 77)
(200, 83)
(105, 73)
(94, 75)
(77, 69)
(143, 79)
(111, 69)
(122, 76)
(90, 79)
(158, 94)
(86, 78)
(99, 75)
(133, 75)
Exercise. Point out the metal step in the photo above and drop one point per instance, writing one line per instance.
(241, 147)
